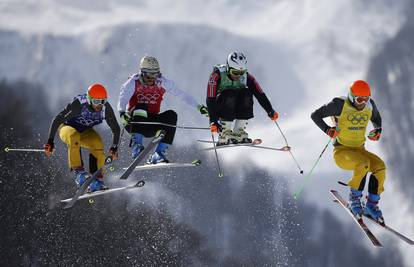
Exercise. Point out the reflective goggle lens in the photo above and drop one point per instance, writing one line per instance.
(151, 75)
(98, 101)
(237, 72)
(362, 99)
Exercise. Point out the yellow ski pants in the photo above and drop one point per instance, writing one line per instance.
(88, 139)
(361, 162)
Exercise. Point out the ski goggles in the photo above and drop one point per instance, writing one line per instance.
(236, 72)
(98, 101)
(150, 74)
(362, 99)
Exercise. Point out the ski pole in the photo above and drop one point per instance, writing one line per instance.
(220, 173)
(171, 125)
(7, 149)
(306, 180)
(287, 145)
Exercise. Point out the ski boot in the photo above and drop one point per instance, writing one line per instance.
(371, 208)
(96, 185)
(136, 144)
(240, 133)
(80, 176)
(159, 154)
(226, 137)
(242, 136)
(354, 203)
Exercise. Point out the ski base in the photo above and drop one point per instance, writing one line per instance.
(358, 221)
(389, 229)
(194, 163)
(107, 191)
(256, 141)
(285, 148)
(85, 185)
(151, 145)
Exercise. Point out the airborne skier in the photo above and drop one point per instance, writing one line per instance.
(230, 93)
(75, 125)
(140, 101)
(351, 116)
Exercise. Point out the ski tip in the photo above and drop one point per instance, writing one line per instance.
(196, 162)
(342, 183)
(257, 141)
(6, 149)
(286, 148)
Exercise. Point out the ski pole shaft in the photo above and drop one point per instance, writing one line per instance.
(307, 177)
(220, 173)
(170, 125)
(7, 149)
(290, 152)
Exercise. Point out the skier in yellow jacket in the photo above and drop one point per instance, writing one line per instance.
(351, 116)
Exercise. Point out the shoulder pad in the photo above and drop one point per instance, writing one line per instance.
(369, 105)
(221, 68)
(82, 98)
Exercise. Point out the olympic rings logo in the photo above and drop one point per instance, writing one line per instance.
(356, 118)
(148, 98)
(87, 122)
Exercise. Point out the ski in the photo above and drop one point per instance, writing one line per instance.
(194, 163)
(103, 192)
(389, 229)
(256, 141)
(285, 148)
(85, 185)
(358, 221)
(151, 145)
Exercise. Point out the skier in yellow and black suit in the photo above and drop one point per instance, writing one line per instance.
(351, 116)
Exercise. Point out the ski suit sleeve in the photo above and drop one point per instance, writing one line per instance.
(127, 91)
(213, 84)
(333, 108)
(254, 86)
(72, 110)
(376, 117)
(112, 123)
(171, 88)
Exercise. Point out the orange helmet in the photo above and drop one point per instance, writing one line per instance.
(97, 93)
(359, 92)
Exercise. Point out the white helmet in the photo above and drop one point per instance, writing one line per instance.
(149, 64)
(237, 60)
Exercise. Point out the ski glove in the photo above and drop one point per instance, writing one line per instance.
(273, 115)
(203, 110)
(125, 118)
(113, 151)
(332, 132)
(375, 134)
(215, 127)
(49, 147)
